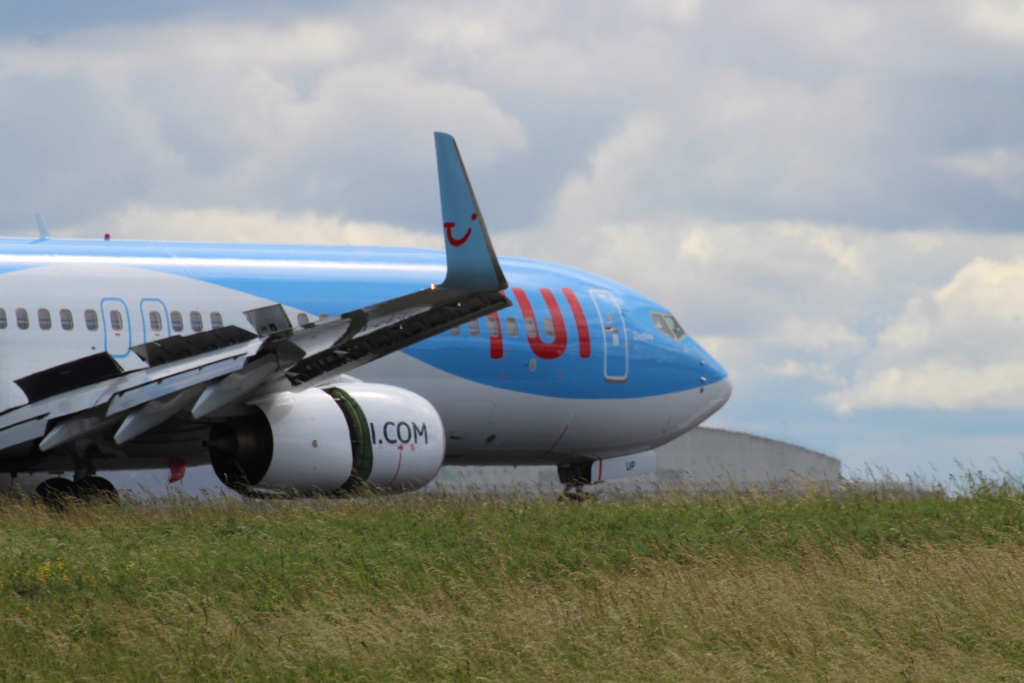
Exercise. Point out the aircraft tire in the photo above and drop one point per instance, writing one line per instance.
(93, 488)
(56, 492)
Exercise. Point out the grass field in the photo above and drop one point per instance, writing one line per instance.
(865, 583)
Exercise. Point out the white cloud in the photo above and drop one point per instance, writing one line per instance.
(790, 368)
(997, 19)
(733, 143)
(822, 373)
(287, 117)
(735, 112)
(954, 348)
(819, 334)
(618, 179)
(1003, 167)
(936, 384)
(679, 11)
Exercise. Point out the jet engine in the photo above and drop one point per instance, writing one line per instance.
(331, 441)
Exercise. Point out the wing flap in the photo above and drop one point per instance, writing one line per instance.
(140, 420)
(69, 376)
(180, 347)
(82, 424)
(184, 378)
(30, 428)
(234, 387)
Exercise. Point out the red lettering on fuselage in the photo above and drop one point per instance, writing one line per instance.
(581, 321)
(545, 350)
(494, 330)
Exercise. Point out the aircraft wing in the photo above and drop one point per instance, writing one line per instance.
(206, 371)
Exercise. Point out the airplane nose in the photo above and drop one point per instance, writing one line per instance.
(720, 391)
(694, 407)
(716, 386)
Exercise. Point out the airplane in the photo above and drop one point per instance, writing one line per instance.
(321, 370)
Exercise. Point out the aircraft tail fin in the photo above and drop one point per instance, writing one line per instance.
(472, 263)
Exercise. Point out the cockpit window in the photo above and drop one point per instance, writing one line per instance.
(668, 325)
(677, 330)
(659, 322)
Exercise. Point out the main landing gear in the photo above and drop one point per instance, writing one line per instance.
(86, 486)
(56, 492)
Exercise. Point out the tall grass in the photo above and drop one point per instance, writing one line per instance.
(868, 582)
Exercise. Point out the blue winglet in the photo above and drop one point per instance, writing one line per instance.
(472, 263)
(44, 232)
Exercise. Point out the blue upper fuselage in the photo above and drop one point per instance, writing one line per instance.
(568, 333)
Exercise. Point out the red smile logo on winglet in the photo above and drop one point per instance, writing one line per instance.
(460, 241)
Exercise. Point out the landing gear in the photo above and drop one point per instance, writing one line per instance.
(575, 476)
(56, 492)
(575, 496)
(95, 488)
(84, 486)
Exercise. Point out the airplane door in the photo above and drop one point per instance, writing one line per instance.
(117, 331)
(613, 326)
(154, 320)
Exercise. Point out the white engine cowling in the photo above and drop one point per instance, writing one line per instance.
(331, 441)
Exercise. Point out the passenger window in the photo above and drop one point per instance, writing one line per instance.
(177, 323)
(92, 321)
(549, 327)
(67, 321)
(22, 316)
(3, 318)
(455, 331)
(116, 321)
(45, 322)
(216, 321)
(493, 326)
(512, 326)
(531, 327)
(303, 319)
(474, 328)
(156, 322)
(197, 321)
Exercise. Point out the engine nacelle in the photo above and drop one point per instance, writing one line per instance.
(331, 441)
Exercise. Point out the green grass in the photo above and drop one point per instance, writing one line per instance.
(866, 583)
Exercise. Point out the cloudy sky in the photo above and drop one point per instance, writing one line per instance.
(829, 195)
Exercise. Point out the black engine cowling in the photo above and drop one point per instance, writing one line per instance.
(331, 441)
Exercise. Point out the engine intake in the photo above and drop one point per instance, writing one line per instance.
(331, 441)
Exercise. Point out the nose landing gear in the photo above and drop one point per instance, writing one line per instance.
(575, 476)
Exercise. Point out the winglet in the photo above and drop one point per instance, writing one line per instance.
(44, 232)
(472, 263)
